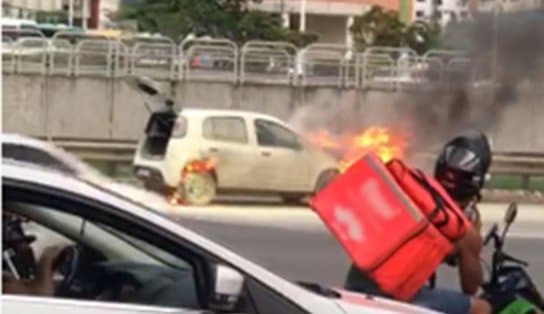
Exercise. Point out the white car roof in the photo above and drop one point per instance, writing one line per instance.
(63, 156)
(14, 138)
(199, 112)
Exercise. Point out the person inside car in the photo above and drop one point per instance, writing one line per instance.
(461, 169)
(21, 273)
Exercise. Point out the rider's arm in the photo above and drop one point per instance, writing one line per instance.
(470, 269)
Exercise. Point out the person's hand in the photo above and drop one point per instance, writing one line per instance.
(48, 261)
(43, 284)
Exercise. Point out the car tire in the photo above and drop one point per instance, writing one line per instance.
(324, 179)
(199, 188)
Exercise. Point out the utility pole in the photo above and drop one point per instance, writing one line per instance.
(71, 13)
(84, 4)
(284, 15)
(302, 22)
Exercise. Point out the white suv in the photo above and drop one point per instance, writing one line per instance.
(228, 151)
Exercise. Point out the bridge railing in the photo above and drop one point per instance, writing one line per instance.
(221, 60)
(8, 55)
(323, 65)
(268, 62)
(209, 60)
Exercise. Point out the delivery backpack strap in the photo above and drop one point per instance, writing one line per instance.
(440, 203)
(438, 200)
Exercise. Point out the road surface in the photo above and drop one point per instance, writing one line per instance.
(294, 243)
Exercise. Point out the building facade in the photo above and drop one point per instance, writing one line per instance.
(330, 19)
(81, 13)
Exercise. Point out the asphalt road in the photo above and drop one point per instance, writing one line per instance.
(312, 254)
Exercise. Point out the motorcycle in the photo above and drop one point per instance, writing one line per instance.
(509, 289)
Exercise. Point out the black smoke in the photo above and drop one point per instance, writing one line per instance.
(508, 48)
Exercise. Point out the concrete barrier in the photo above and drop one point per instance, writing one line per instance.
(108, 109)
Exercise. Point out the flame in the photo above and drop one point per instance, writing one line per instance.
(351, 147)
(200, 165)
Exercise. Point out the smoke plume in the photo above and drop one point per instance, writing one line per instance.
(470, 100)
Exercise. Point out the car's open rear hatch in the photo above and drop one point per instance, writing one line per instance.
(158, 132)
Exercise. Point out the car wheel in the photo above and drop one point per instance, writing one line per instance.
(199, 188)
(324, 179)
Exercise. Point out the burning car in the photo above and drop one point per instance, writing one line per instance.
(193, 154)
(196, 153)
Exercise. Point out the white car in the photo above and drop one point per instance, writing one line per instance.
(237, 151)
(123, 257)
(28, 149)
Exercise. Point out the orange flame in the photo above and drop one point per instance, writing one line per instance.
(201, 165)
(351, 147)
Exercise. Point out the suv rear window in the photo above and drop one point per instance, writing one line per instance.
(228, 129)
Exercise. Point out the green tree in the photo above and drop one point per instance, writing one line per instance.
(378, 27)
(422, 36)
(216, 18)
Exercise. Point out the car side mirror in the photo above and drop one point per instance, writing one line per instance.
(227, 289)
(511, 213)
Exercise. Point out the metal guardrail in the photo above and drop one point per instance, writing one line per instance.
(222, 60)
(524, 164)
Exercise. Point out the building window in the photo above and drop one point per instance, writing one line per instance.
(438, 2)
(438, 14)
(419, 14)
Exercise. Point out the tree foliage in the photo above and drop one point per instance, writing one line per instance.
(378, 27)
(216, 18)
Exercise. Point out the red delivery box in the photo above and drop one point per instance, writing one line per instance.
(383, 231)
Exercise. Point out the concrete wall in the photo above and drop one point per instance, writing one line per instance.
(96, 108)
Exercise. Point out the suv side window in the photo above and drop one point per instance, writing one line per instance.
(273, 134)
(227, 129)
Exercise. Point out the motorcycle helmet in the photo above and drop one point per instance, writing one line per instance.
(462, 165)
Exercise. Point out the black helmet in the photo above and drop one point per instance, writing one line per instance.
(462, 165)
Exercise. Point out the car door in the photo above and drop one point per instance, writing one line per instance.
(12, 304)
(85, 209)
(282, 157)
(226, 140)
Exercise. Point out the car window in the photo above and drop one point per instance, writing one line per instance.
(32, 155)
(96, 221)
(180, 128)
(228, 129)
(110, 259)
(275, 135)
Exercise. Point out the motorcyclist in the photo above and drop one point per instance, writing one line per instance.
(21, 273)
(461, 168)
